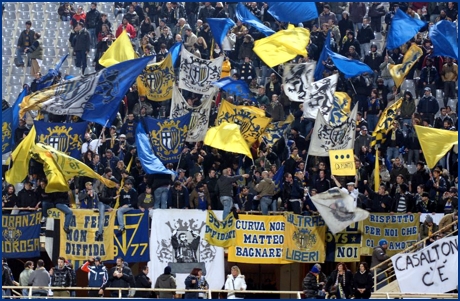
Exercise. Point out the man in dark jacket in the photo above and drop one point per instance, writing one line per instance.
(166, 280)
(25, 40)
(81, 44)
(143, 281)
(395, 140)
(61, 276)
(225, 189)
(310, 284)
(27, 198)
(380, 201)
(350, 42)
(428, 106)
(128, 201)
(378, 256)
(120, 276)
(178, 196)
(93, 17)
(97, 276)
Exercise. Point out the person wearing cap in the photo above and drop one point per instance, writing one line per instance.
(97, 276)
(450, 201)
(428, 106)
(26, 38)
(351, 188)
(166, 281)
(427, 229)
(310, 283)
(363, 140)
(127, 202)
(426, 205)
(436, 186)
(378, 256)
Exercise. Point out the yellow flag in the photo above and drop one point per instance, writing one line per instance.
(342, 162)
(157, 80)
(21, 158)
(399, 72)
(377, 171)
(227, 137)
(121, 50)
(340, 108)
(276, 130)
(252, 120)
(220, 233)
(60, 168)
(122, 184)
(385, 123)
(435, 143)
(283, 46)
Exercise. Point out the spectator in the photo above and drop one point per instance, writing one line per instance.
(376, 12)
(310, 283)
(191, 282)
(273, 86)
(146, 201)
(199, 198)
(128, 201)
(378, 256)
(66, 12)
(235, 282)
(99, 26)
(275, 109)
(357, 13)
(39, 278)
(394, 141)
(97, 276)
(225, 189)
(61, 277)
(450, 200)
(118, 9)
(342, 277)
(265, 191)
(166, 280)
(25, 276)
(125, 25)
(436, 186)
(362, 282)
(27, 198)
(365, 35)
(327, 15)
(88, 197)
(9, 198)
(26, 38)
(190, 39)
(344, 24)
(439, 121)
(403, 201)
(81, 45)
(445, 224)
(177, 197)
(143, 281)
(427, 229)
(120, 276)
(426, 205)
(93, 17)
(35, 54)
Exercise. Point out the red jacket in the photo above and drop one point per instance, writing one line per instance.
(129, 29)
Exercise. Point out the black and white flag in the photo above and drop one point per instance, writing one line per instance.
(327, 137)
(337, 209)
(320, 97)
(297, 80)
(200, 115)
(197, 74)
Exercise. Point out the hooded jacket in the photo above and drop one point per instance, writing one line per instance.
(236, 284)
(166, 281)
(97, 275)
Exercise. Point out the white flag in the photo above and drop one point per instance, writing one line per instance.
(200, 115)
(327, 137)
(432, 270)
(337, 209)
(297, 80)
(196, 74)
(177, 240)
(320, 97)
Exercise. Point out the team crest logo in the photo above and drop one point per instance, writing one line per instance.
(61, 139)
(185, 249)
(336, 137)
(196, 74)
(199, 73)
(6, 135)
(11, 234)
(304, 239)
(169, 137)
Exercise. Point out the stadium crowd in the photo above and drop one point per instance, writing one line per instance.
(208, 178)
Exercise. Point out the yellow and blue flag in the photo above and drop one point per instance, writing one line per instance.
(157, 80)
(340, 108)
(293, 12)
(121, 50)
(48, 79)
(276, 130)
(246, 17)
(252, 120)
(385, 124)
(64, 137)
(443, 35)
(96, 97)
(150, 163)
(403, 28)
(15, 112)
(400, 71)
(7, 130)
(235, 87)
(168, 136)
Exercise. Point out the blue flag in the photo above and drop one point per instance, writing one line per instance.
(7, 130)
(150, 163)
(293, 12)
(174, 51)
(278, 178)
(443, 35)
(235, 87)
(15, 112)
(21, 236)
(245, 16)
(47, 79)
(402, 29)
(350, 68)
(168, 136)
(219, 28)
(323, 57)
(65, 137)
(112, 85)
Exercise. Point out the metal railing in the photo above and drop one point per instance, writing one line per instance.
(389, 271)
(208, 292)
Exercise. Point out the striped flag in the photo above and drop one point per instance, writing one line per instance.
(379, 135)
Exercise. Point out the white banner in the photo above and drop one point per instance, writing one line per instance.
(200, 115)
(177, 240)
(327, 137)
(320, 97)
(196, 74)
(297, 79)
(431, 270)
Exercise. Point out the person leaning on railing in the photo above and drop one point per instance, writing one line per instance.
(378, 256)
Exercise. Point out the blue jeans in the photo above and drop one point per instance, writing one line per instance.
(392, 152)
(65, 18)
(80, 60)
(266, 203)
(45, 206)
(161, 197)
(116, 12)
(227, 202)
(19, 54)
(92, 37)
(102, 208)
(372, 122)
(68, 214)
(120, 212)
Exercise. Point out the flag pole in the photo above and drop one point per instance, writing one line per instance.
(352, 86)
(102, 131)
